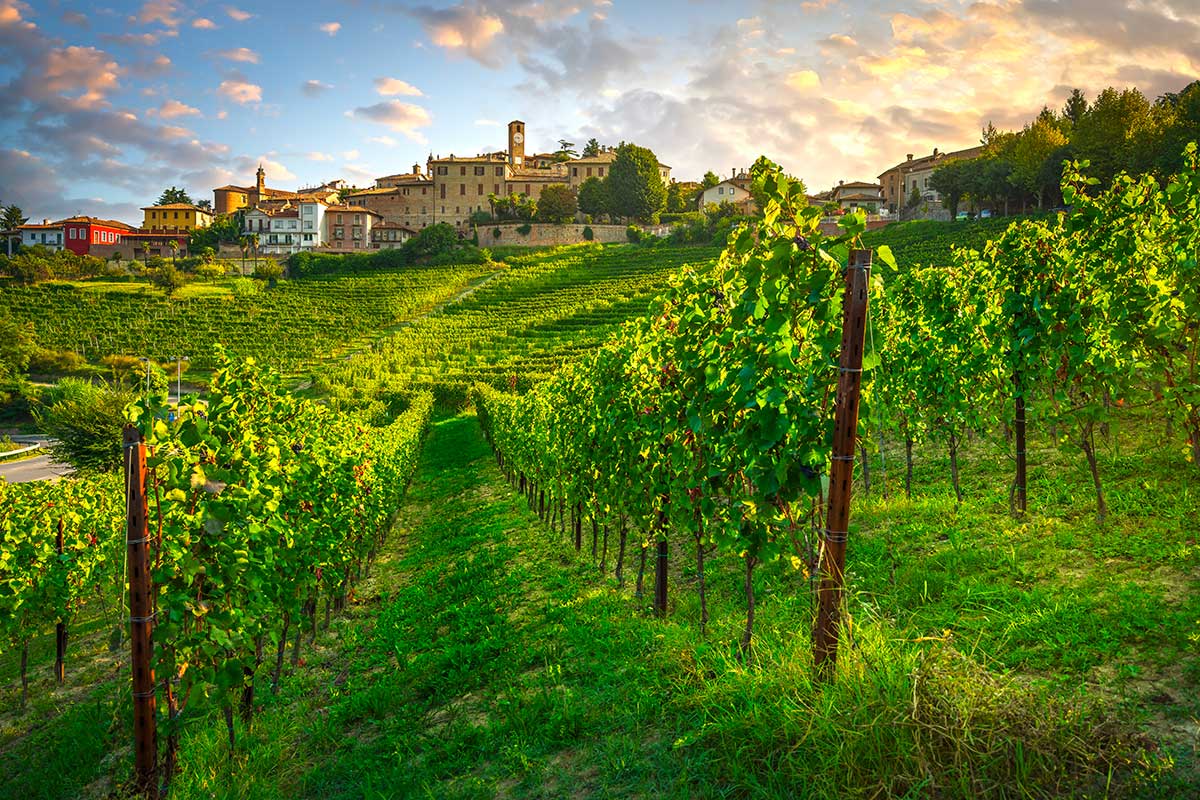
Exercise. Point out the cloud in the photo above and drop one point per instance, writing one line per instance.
(314, 88)
(390, 87)
(173, 108)
(240, 54)
(204, 24)
(384, 140)
(131, 39)
(163, 12)
(240, 91)
(330, 27)
(87, 71)
(314, 156)
(403, 118)
(804, 80)
(350, 155)
(468, 30)
(237, 15)
(75, 18)
(274, 170)
(222, 114)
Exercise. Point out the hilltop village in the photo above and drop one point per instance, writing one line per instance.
(461, 191)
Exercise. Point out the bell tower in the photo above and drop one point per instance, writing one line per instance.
(260, 184)
(516, 143)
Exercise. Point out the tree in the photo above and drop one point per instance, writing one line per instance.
(566, 148)
(85, 422)
(435, 239)
(950, 180)
(1075, 107)
(557, 203)
(591, 149)
(1030, 152)
(13, 217)
(593, 197)
(16, 347)
(1179, 117)
(167, 278)
(1118, 132)
(173, 195)
(205, 204)
(709, 180)
(635, 185)
(914, 198)
(173, 246)
(675, 202)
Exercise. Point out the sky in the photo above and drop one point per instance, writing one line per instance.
(105, 104)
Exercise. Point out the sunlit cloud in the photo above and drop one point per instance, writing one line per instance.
(390, 87)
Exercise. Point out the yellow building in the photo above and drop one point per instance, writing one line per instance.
(175, 217)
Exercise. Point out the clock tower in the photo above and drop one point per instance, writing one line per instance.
(516, 143)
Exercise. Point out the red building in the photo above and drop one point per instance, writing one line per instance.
(81, 233)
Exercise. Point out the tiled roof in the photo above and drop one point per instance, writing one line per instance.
(110, 223)
(925, 161)
(232, 188)
(38, 226)
(354, 210)
(177, 207)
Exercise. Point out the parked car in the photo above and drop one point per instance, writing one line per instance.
(985, 214)
(962, 215)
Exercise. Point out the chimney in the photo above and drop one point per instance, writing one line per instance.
(45, 222)
(910, 155)
(733, 172)
(840, 183)
(935, 152)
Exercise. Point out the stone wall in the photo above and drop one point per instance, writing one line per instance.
(543, 234)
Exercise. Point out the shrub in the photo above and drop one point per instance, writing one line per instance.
(86, 422)
(269, 270)
(588, 233)
(524, 229)
(211, 271)
(167, 278)
(496, 232)
(244, 287)
(56, 362)
(633, 233)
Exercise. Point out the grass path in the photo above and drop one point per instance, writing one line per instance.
(480, 662)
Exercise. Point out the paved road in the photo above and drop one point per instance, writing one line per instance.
(38, 468)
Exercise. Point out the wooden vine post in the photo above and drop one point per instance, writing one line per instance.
(60, 630)
(841, 471)
(141, 614)
(660, 566)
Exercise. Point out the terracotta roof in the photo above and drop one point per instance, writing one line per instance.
(177, 207)
(859, 196)
(355, 210)
(859, 185)
(232, 188)
(404, 176)
(925, 161)
(494, 158)
(392, 226)
(381, 190)
(38, 226)
(111, 223)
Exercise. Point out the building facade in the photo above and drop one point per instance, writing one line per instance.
(173, 217)
(81, 234)
(858, 194)
(898, 182)
(48, 235)
(735, 189)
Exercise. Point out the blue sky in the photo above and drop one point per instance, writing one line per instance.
(106, 104)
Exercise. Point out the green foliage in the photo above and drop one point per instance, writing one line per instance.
(17, 346)
(34, 264)
(633, 233)
(513, 207)
(85, 421)
(593, 197)
(591, 149)
(268, 269)
(524, 229)
(557, 204)
(588, 233)
(761, 175)
(225, 229)
(709, 180)
(166, 277)
(496, 233)
(635, 186)
(173, 195)
(675, 200)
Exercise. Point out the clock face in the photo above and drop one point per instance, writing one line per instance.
(518, 138)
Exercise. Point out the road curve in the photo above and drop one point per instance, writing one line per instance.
(38, 468)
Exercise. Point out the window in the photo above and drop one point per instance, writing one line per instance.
(462, 189)
(443, 191)
(481, 190)
(339, 233)
(404, 191)
(153, 215)
(601, 171)
(720, 190)
(589, 172)
(462, 170)
(423, 188)
(527, 190)
(358, 219)
(176, 215)
(441, 170)
(339, 219)
(574, 172)
(496, 188)
(479, 170)
(499, 172)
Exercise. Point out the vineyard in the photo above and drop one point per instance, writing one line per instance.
(286, 326)
(621, 567)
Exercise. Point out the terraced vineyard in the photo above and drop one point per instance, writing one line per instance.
(523, 323)
(284, 326)
(929, 243)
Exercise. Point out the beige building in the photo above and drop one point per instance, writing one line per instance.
(858, 194)
(734, 189)
(898, 182)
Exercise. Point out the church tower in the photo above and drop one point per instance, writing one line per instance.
(516, 143)
(262, 181)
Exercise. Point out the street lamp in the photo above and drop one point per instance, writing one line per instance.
(179, 377)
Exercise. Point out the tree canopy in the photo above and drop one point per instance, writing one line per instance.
(173, 195)
(635, 185)
(557, 203)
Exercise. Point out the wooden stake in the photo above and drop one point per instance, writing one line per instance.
(841, 471)
(60, 630)
(141, 614)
